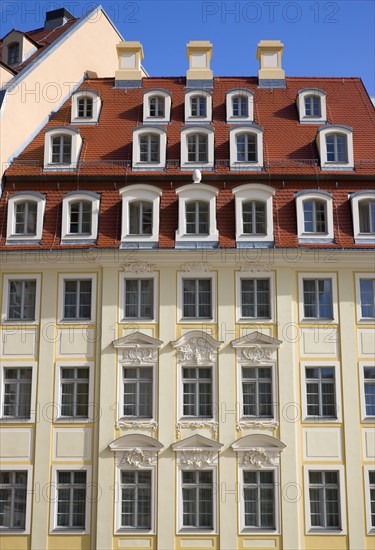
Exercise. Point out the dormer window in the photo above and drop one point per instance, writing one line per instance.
(253, 214)
(157, 106)
(149, 148)
(86, 105)
(246, 147)
(197, 148)
(254, 218)
(80, 217)
(311, 105)
(363, 213)
(196, 216)
(140, 216)
(25, 217)
(240, 105)
(62, 146)
(314, 216)
(14, 53)
(198, 106)
(335, 145)
(149, 145)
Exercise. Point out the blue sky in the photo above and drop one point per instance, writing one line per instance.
(321, 37)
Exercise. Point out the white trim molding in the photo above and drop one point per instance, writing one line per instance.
(207, 131)
(250, 130)
(5, 531)
(248, 95)
(366, 473)
(33, 365)
(22, 197)
(200, 93)
(254, 192)
(321, 142)
(241, 275)
(313, 195)
(85, 93)
(148, 129)
(75, 148)
(180, 299)
(80, 196)
(337, 385)
(134, 193)
(358, 277)
(155, 93)
(304, 118)
(355, 200)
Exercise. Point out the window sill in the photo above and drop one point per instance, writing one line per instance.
(19, 322)
(320, 420)
(133, 531)
(25, 241)
(13, 531)
(318, 321)
(200, 320)
(137, 321)
(254, 320)
(60, 167)
(78, 240)
(16, 420)
(68, 531)
(325, 532)
(362, 239)
(148, 167)
(312, 120)
(258, 531)
(368, 420)
(337, 167)
(196, 531)
(72, 420)
(76, 322)
(203, 166)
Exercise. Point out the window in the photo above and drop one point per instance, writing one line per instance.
(259, 499)
(254, 218)
(196, 216)
(80, 217)
(136, 494)
(71, 499)
(62, 148)
(138, 392)
(22, 300)
(368, 393)
(197, 391)
(239, 105)
(157, 106)
(257, 396)
(25, 217)
(367, 216)
(317, 299)
(335, 146)
(367, 297)
(312, 106)
(13, 499)
(77, 298)
(246, 147)
(314, 216)
(14, 54)
(17, 383)
(256, 298)
(372, 497)
(197, 298)
(363, 213)
(139, 294)
(197, 499)
(321, 392)
(74, 392)
(369, 473)
(197, 148)
(86, 105)
(324, 496)
(140, 215)
(198, 106)
(149, 148)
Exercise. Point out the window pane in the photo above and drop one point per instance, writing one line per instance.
(367, 293)
(22, 296)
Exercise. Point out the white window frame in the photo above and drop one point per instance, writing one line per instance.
(140, 192)
(321, 136)
(243, 92)
(121, 313)
(18, 276)
(135, 420)
(358, 277)
(54, 529)
(196, 192)
(303, 117)
(76, 146)
(157, 92)
(96, 107)
(355, 199)
(76, 276)
(255, 275)
(92, 412)
(254, 192)
(252, 129)
(180, 299)
(362, 365)
(19, 365)
(4, 531)
(311, 195)
(243, 419)
(146, 129)
(188, 131)
(366, 473)
(197, 119)
(318, 275)
(180, 397)
(78, 196)
(309, 530)
(323, 419)
(20, 197)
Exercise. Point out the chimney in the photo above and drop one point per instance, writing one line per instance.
(57, 18)
(130, 73)
(199, 53)
(270, 74)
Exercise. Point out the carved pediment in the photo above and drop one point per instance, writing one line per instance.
(256, 347)
(258, 441)
(138, 348)
(197, 442)
(131, 442)
(196, 347)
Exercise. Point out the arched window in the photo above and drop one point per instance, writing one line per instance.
(157, 106)
(197, 148)
(86, 106)
(198, 106)
(239, 105)
(62, 146)
(140, 215)
(149, 148)
(197, 215)
(363, 213)
(14, 53)
(246, 147)
(253, 214)
(25, 217)
(314, 216)
(311, 105)
(335, 145)
(61, 149)
(80, 216)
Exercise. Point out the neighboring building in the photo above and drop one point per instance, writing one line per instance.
(41, 68)
(191, 364)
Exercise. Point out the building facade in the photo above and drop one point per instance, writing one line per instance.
(187, 329)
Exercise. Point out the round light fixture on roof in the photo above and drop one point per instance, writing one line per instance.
(197, 176)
